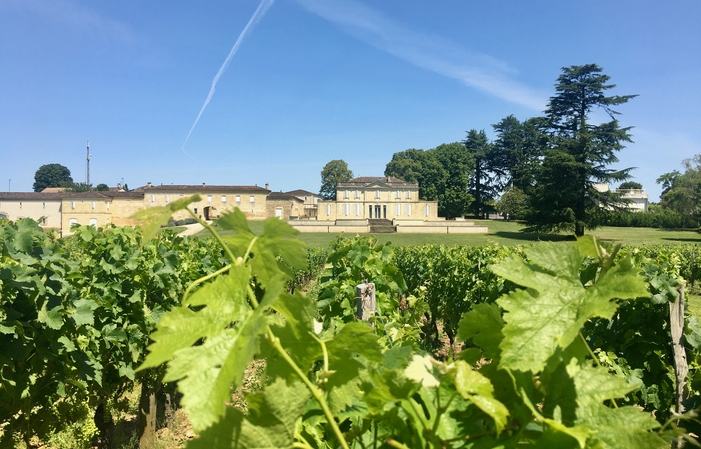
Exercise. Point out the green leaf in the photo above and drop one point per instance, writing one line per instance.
(84, 312)
(271, 421)
(551, 312)
(51, 318)
(483, 324)
(479, 390)
(153, 218)
(225, 301)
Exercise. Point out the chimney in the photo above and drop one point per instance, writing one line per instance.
(203, 184)
(148, 184)
(268, 185)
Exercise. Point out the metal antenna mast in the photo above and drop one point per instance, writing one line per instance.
(87, 166)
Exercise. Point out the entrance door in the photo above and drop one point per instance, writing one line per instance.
(278, 212)
(378, 211)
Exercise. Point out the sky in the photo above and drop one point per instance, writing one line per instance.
(250, 92)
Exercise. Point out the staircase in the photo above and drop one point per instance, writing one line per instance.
(381, 226)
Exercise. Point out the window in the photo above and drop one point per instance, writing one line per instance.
(93, 222)
(398, 212)
(195, 210)
(43, 205)
(357, 194)
(72, 222)
(238, 198)
(346, 206)
(92, 204)
(345, 194)
(408, 210)
(253, 199)
(223, 198)
(72, 204)
(357, 210)
(408, 194)
(153, 198)
(209, 198)
(167, 198)
(427, 211)
(328, 210)
(399, 194)
(377, 194)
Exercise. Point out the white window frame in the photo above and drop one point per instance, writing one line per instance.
(346, 194)
(153, 198)
(427, 210)
(408, 194)
(72, 204)
(398, 210)
(92, 204)
(93, 222)
(357, 194)
(167, 199)
(377, 194)
(408, 210)
(252, 199)
(399, 195)
(328, 210)
(346, 208)
(223, 198)
(238, 198)
(71, 222)
(209, 198)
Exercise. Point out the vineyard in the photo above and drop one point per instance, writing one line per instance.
(567, 345)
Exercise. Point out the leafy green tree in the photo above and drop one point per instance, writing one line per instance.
(102, 187)
(419, 166)
(682, 191)
(517, 151)
(334, 172)
(513, 203)
(580, 149)
(51, 175)
(630, 185)
(80, 187)
(455, 199)
(483, 182)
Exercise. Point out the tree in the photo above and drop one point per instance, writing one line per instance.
(334, 172)
(517, 152)
(80, 187)
(630, 185)
(682, 191)
(102, 187)
(52, 175)
(483, 183)
(419, 166)
(454, 200)
(512, 203)
(581, 149)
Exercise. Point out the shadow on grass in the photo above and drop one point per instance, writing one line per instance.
(681, 239)
(534, 237)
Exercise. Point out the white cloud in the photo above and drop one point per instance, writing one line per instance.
(433, 53)
(74, 16)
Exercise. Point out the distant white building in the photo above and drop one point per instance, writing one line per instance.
(637, 198)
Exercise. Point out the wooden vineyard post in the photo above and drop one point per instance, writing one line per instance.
(681, 367)
(365, 295)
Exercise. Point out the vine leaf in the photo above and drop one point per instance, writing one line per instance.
(551, 311)
(271, 420)
(477, 389)
(153, 218)
(207, 371)
(483, 325)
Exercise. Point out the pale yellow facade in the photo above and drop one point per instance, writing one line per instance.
(42, 208)
(214, 200)
(377, 198)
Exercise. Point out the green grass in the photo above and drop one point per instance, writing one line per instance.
(504, 233)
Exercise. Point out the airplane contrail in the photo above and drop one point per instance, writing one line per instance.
(257, 15)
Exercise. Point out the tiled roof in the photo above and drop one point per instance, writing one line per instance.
(389, 181)
(104, 195)
(201, 188)
(300, 192)
(282, 196)
(31, 196)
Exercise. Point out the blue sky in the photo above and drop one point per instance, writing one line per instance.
(316, 80)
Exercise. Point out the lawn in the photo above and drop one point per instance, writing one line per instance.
(504, 233)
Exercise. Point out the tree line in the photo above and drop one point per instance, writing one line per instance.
(543, 170)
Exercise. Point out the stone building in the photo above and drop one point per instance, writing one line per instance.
(370, 197)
